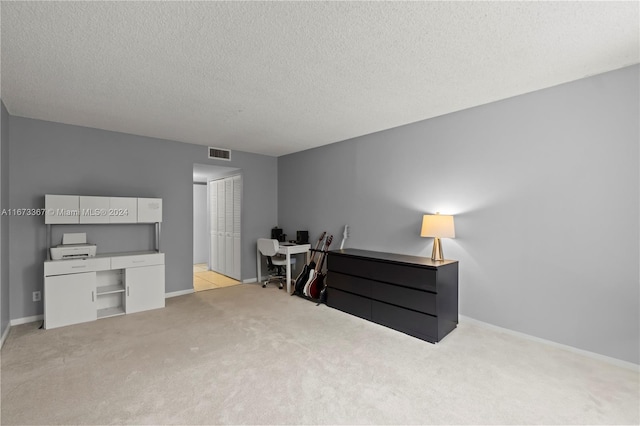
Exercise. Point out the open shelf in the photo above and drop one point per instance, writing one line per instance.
(110, 312)
(108, 289)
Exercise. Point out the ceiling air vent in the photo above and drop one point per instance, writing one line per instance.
(220, 154)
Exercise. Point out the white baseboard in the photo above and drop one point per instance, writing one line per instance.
(178, 293)
(26, 320)
(4, 335)
(249, 280)
(609, 360)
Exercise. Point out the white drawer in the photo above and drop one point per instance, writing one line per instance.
(134, 261)
(62, 267)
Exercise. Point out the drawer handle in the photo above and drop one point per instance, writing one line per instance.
(79, 266)
(138, 261)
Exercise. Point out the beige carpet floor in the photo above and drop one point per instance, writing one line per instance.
(248, 355)
(203, 279)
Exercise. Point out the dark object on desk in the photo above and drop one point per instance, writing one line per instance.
(302, 237)
(276, 234)
(415, 295)
(304, 275)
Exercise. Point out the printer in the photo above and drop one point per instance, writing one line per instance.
(74, 246)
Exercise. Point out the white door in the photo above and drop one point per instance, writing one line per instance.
(213, 226)
(228, 226)
(237, 206)
(225, 215)
(220, 217)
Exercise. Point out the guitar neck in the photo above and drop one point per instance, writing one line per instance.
(323, 255)
(318, 244)
(345, 235)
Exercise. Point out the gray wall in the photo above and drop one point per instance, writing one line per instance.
(545, 192)
(200, 226)
(54, 158)
(4, 220)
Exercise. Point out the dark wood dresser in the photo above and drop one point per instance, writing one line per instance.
(415, 295)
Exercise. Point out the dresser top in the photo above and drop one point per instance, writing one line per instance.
(393, 257)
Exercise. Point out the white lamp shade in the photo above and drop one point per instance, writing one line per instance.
(437, 225)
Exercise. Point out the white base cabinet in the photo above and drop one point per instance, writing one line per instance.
(82, 290)
(70, 299)
(143, 291)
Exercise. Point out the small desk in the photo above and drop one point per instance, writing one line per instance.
(287, 249)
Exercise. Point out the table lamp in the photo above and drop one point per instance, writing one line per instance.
(437, 226)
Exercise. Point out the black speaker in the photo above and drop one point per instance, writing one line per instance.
(302, 237)
(276, 234)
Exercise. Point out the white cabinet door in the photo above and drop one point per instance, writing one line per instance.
(149, 210)
(94, 209)
(61, 209)
(123, 210)
(69, 299)
(144, 288)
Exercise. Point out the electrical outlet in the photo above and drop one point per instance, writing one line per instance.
(36, 296)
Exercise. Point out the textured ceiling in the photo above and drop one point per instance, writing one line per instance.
(280, 77)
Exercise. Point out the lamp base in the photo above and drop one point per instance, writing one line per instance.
(436, 254)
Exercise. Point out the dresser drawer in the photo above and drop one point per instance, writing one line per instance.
(394, 273)
(63, 267)
(413, 323)
(349, 283)
(350, 303)
(134, 261)
(404, 297)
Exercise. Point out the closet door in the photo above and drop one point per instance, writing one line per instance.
(213, 225)
(221, 227)
(225, 197)
(237, 204)
(228, 226)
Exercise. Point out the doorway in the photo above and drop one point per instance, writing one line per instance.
(216, 246)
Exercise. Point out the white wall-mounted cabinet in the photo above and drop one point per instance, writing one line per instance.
(94, 209)
(149, 210)
(70, 209)
(62, 209)
(123, 210)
